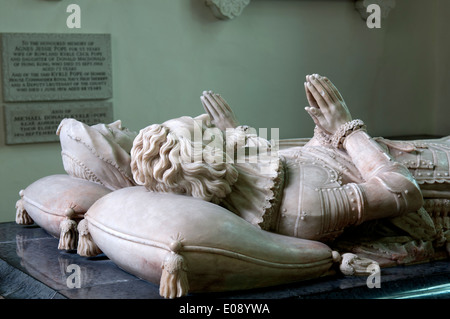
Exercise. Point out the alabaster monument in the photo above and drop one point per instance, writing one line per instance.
(205, 204)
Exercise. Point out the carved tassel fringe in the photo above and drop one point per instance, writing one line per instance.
(68, 236)
(86, 246)
(22, 217)
(174, 281)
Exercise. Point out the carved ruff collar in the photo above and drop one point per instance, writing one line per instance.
(256, 195)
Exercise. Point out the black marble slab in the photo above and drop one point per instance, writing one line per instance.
(31, 267)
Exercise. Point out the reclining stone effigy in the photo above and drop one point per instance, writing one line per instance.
(204, 204)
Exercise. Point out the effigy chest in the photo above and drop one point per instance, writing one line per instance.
(320, 195)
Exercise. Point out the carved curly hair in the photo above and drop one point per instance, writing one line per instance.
(162, 162)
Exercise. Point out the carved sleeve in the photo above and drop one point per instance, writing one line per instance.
(389, 189)
(327, 190)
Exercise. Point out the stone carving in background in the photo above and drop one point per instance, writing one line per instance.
(385, 5)
(230, 9)
(227, 9)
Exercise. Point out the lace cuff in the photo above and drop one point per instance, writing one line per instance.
(337, 139)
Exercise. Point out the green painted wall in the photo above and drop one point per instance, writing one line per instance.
(166, 52)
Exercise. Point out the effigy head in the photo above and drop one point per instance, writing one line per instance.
(173, 157)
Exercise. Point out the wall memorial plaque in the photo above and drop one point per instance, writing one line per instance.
(56, 67)
(38, 122)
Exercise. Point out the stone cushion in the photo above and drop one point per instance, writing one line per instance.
(47, 199)
(148, 233)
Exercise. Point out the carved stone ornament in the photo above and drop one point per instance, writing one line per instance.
(385, 5)
(227, 9)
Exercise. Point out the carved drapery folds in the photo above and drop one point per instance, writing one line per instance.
(385, 5)
(227, 9)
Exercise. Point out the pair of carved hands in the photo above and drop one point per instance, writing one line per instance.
(220, 113)
(327, 107)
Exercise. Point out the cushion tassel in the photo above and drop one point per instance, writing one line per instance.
(86, 246)
(68, 236)
(174, 281)
(22, 217)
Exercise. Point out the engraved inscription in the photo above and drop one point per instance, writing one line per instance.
(44, 67)
(38, 122)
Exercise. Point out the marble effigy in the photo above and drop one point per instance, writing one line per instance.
(204, 204)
